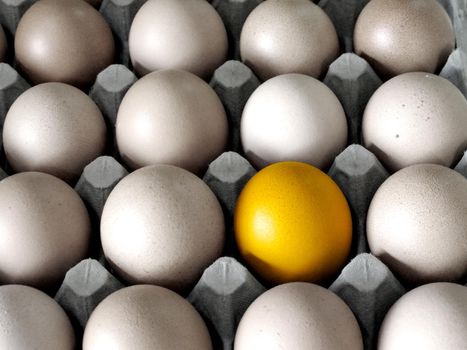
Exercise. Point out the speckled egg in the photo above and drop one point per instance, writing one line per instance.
(171, 117)
(416, 118)
(146, 317)
(162, 225)
(293, 117)
(3, 45)
(63, 41)
(53, 128)
(430, 317)
(30, 319)
(399, 36)
(417, 224)
(288, 36)
(44, 230)
(178, 34)
(298, 316)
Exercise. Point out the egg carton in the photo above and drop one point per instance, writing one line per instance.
(227, 288)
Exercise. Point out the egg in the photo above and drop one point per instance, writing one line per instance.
(171, 117)
(63, 41)
(44, 230)
(400, 36)
(298, 316)
(3, 45)
(293, 117)
(293, 223)
(53, 128)
(145, 317)
(162, 225)
(30, 319)
(288, 36)
(178, 34)
(431, 317)
(417, 224)
(416, 118)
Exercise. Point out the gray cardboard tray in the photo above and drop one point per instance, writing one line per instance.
(227, 288)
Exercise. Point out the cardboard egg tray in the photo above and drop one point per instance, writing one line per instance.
(227, 288)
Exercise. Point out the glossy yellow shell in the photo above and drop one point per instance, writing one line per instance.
(293, 223)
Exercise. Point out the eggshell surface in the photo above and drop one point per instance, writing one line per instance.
(293, 117)
(293, 223)
(44, 229)
(145, 317)
(171, 117)
(431, 317)
(288, 36)
(400, 36)
(298, 316)
(416, 118)
(63, 41)
(30, 319)
(417, 226)
(162, 225)
(178, 34)
(53, 128)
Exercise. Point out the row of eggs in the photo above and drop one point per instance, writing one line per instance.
(71, 42)
(291, 316)
(174, 117)
(189, 219)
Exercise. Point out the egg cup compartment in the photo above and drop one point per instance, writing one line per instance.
(227, 288)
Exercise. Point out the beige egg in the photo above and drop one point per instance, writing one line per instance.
(53, 128)
(146, 317)
(63, 41)
(288, 36)
(417, 224)
(293, 117)
(430, 317)
(178, 34)
(162, 225)
(171, 117)
(3, 45)
(400, 36)
(298, 316)
(44, 230)
(416, 118)
(30, 319)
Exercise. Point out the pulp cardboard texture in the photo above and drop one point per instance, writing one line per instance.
(226, 288)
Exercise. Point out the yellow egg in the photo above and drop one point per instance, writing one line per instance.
(293, 223)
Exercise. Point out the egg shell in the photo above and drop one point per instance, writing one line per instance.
(416, 118)
(162, 225)
(298, 316)
(293, 117)
(431, 317)
(146, 317)
(288, 36)
(44, 230)
(292, 223)
(63, 41)
(30, 319)
(53, 128)
(178, 34)
(171, 117)
(3, 45)
(400, 36)
(417, 224)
